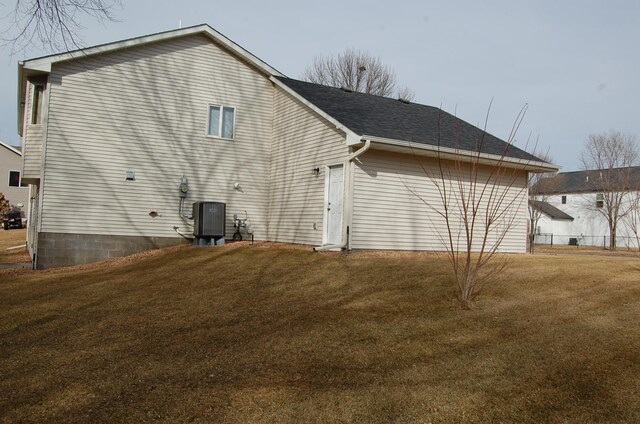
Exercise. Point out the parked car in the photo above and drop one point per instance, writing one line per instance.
(11, 219)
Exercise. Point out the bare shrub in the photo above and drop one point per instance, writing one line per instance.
(479, 203)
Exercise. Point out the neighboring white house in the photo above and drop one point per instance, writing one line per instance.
(553, 225)
(573, 206)
(11, 184)
(112, 131)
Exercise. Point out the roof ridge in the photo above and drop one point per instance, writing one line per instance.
(596, 170)
(360, 93)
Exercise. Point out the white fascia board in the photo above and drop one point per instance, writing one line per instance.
(430, 150)
(20, 96)
(8, 146)
(240, 51)
(43, 64)
(352, 138)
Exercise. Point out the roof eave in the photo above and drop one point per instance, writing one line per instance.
(9, 147)
(430, 150)
(43, 64)
(20, 96)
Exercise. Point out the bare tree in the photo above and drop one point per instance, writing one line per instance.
(478, 205)
(405, 93)
(540, 188)
(611, 154)
(632, 218)
(357, 71)
(53, 24)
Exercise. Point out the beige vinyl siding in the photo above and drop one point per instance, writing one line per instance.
(301, 141)
(388, 216)
(32, 141)
(145, 109)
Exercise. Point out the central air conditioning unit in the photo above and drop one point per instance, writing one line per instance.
(209, 220)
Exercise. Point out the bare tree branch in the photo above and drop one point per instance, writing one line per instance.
(52, 24)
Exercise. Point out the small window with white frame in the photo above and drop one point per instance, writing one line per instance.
(36, 104)
(599, 200)
(14, 178)
(221, 121)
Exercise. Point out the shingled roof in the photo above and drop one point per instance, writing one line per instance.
(550, 210)
(384, 117)
(591, 181)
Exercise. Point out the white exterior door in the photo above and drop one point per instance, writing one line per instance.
(334, 204)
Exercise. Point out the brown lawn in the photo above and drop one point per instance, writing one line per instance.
(242, 334)
(11, 238)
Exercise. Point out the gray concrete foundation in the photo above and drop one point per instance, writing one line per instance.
(58, 249)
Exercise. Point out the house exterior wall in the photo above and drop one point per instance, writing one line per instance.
(145, 109)
(11, 161)
(302, 141)
(560, 229)
(589, 226)
(387, 215)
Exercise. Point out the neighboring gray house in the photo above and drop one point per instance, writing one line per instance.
(110, 132)
(11, 184)
(574, 204)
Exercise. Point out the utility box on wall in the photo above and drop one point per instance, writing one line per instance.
(209, 219)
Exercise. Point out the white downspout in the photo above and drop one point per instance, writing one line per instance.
(344, 239)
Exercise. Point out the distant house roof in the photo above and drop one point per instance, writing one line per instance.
(387, 118)
(591, 181)
(549, 210)
(15, 149)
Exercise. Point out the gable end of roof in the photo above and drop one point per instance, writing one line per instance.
(43, 64)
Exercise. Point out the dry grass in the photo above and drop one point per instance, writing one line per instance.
(11, 238)
(586, 250)
(252, 334)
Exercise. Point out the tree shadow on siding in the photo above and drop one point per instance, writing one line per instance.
(145, 109)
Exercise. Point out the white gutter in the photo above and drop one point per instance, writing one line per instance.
(348, 200)
(453, 154)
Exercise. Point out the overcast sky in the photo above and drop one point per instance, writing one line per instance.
(576, 64)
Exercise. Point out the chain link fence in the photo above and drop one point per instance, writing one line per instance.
(584, 240)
